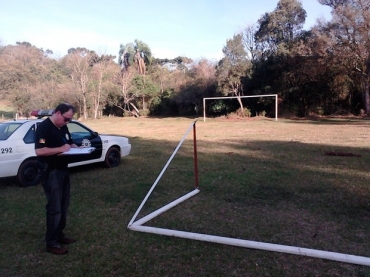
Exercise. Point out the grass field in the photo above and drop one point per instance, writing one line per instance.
(260, 180)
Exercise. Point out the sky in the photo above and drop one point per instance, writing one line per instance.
(171, 28)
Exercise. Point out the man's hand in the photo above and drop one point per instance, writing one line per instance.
(65, 148)
(46, 151)
(73, 145)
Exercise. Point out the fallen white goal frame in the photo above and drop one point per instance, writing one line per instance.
(235, 97)
(138, 225)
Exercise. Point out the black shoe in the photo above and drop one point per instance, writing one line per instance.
(66, 240)
(56, 249)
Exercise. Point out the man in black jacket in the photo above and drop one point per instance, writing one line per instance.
(53, 138)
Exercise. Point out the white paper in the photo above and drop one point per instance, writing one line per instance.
(79, 151)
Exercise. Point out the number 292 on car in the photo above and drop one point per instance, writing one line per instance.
(6, 150)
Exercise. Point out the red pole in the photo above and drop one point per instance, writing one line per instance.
(195, 156)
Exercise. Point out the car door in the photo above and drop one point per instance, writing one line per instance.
(83, 136)
(14, 150)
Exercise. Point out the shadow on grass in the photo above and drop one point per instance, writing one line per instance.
(332, 121)
(6, 182)
(291, 177)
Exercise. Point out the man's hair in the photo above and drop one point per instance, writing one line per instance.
(64, 107)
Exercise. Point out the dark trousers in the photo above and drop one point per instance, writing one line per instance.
(57, 191)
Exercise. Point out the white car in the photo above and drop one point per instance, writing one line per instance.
(18, 157)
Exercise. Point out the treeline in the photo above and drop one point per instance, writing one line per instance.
(321, 71)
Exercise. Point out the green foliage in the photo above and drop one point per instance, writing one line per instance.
(218, 106)
(127, 53)
(163, 104)
(178, 60)
(144, 88)
(144, 48)
(279, 29)
(233, 67)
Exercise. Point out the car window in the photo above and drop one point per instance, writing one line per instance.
(7, 129)
(78, 131)
(30, 135)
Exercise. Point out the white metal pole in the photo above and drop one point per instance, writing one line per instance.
(164, 208)
(204, 109)
(258, 245)
(276, 107)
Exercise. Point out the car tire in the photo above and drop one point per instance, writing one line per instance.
(29, 173)
(113, 157)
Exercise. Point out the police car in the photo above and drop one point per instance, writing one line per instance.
(17, 148)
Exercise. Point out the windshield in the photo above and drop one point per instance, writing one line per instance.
(7, 129)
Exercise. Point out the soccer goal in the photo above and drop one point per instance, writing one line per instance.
(234, 97)
(138, 225)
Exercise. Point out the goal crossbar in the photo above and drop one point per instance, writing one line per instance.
(236, 97)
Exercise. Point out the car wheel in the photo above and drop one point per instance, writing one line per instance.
(28, 173)
(113, 157)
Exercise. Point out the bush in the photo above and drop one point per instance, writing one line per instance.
(263, 113)
(244, 113)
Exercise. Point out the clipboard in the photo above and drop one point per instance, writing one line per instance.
(78, 151)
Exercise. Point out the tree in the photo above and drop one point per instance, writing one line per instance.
(333, 3)
(277, 36)
(160, 75)
(278, 30)
(125, 95)
(102, 73)
(202, 83)
(350, 41)
(249, 42)
(137, 54)
(145, 55)
(126, 55)
(28, 78)
(144, 88)
(233, 68)
(80, 61)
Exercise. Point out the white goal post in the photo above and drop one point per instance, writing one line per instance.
(235, 97)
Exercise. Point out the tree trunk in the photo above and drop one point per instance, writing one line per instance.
(83, 83)
(365, 94)
(241, 105)
(84, 105)
(238, 95)
(97, 100)
(144, 104)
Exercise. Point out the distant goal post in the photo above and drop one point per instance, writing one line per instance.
(235, 97)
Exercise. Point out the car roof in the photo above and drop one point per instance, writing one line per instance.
(21, 121)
